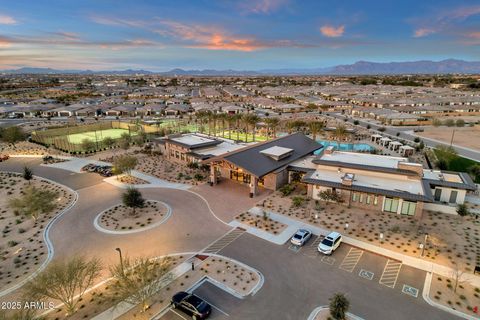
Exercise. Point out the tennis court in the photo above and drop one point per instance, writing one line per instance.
(98, 135)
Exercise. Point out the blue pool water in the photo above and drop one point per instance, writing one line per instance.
(362, 147)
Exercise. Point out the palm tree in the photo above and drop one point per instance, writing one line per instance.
(340, 132)
(201, 116)
(223, 118)
(253, 119)
(231, 121)
(209, 122)
(315, 128)
(273, 126)
(291, 125)
(238, 120)
(250, 119)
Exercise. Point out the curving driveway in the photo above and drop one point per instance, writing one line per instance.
(190, 228)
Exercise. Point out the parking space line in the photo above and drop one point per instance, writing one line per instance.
(317, 241)
(351, 259)
(224, 241)
(177, 313)
(294, 248)
(214, 306)
(390, 273)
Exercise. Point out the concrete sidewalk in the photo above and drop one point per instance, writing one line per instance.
(76, 164)
(153, 182)
(293, 225)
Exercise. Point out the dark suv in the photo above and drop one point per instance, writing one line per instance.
(191, 305)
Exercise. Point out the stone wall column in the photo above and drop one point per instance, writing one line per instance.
(253, 186)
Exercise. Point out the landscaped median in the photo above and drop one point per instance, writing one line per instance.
(101, 301)
(122, 220)
(323, 313)
(453, 293)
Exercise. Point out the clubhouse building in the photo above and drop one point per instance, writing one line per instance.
(380, 183)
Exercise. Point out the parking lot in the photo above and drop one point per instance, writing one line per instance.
(299, 279)
(222, 303)
(367, 266)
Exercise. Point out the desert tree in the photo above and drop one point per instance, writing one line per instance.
(12, 135)
(339, 306)
(132, 198)
(87, 145)
(27, 174)
(137, 281)
(109, 142)
(457, 276)
(66, 281)
(125, 140)
(34, 202)
(124, 164)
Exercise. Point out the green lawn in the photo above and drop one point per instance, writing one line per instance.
(459, 164)
(242, 136)
(99, 135)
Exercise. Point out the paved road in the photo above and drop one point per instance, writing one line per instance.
(190, 228)
(405, 133)
(295, 281)
(70, 179)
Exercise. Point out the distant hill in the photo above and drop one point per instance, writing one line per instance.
(448, 66)
(414, 67)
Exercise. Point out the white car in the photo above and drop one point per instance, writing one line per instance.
(301, 237)
(330, 243)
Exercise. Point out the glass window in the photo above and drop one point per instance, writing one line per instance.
(354, 196)
(361, 198)
(408, 208)
(391, 205)
(453, 196)
(375, 200)
(368, 200)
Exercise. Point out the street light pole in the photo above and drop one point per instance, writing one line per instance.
(453, 135)
(121, 259)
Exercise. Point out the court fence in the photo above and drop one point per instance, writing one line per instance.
(59, 137)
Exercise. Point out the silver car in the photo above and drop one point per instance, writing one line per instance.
(301, 237)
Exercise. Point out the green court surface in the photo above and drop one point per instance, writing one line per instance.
(99, 135)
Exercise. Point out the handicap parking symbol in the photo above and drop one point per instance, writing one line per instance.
(410, 290)
(366, 274)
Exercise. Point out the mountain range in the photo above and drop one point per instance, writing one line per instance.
(449, 66)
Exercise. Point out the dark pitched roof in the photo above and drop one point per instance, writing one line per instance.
(258, 164)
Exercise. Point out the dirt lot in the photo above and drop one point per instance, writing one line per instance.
(468, 137)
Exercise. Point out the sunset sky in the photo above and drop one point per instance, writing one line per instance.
(225, 34)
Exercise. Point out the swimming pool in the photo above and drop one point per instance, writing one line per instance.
(358, 147)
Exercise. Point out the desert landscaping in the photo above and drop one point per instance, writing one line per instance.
(22, 245)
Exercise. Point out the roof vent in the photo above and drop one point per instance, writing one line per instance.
(277, 153)
(348, 178)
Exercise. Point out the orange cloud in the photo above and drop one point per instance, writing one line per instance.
(4, 19)
(5, 43)
(331, 31)
(208, 37)
(422, 32)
